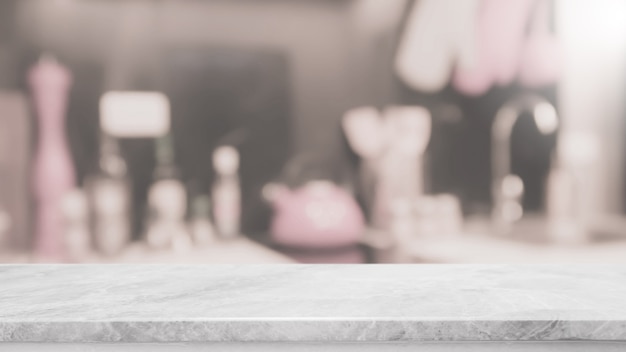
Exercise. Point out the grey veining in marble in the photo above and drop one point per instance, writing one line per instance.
(194, 303)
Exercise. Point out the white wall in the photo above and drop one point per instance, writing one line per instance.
(593, 89)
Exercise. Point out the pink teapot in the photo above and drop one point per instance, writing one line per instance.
(318, 214)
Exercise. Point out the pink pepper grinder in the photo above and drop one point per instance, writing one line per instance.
(53, 169)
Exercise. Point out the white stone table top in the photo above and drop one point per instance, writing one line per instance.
(292, 302)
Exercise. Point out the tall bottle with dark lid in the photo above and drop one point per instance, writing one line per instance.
(165, 159)
(201, 227)
(109, 197)
(167, 201)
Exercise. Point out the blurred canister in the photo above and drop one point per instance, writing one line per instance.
(426, 219)
(402, 228)
(438, 215)
(450, 215)
(111, 220)
(572, 187)
(77, 240)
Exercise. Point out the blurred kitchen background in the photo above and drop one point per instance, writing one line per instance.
(314, 131)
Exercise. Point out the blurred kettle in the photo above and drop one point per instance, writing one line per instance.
(314, 213)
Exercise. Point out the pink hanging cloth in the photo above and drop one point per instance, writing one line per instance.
(499, 38)
(542, 55)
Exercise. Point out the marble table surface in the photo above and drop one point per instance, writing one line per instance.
(318, 303)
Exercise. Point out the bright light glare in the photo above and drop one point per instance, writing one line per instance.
(545, 118)
(598, 22)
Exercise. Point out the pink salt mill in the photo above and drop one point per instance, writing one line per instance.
(53, 168)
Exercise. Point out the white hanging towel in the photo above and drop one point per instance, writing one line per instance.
(438, 33)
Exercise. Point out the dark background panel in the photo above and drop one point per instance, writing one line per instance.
(231, 96)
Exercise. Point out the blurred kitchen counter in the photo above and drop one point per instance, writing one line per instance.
(236, 251)
(527, 244)
(478, 249)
